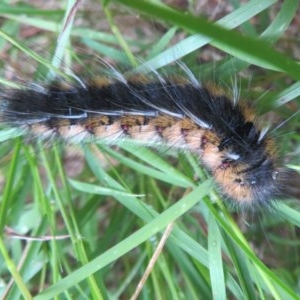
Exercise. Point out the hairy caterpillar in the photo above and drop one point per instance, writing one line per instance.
(181, 113)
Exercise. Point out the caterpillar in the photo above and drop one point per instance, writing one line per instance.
(182, 113)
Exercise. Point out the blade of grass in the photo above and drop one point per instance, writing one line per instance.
(215, 260)
(13, 270)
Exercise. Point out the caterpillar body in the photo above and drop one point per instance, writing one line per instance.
(182, 113)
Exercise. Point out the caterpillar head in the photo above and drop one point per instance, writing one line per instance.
(245, 166)
(253, 178)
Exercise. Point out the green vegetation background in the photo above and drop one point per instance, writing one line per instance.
(97, 213)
